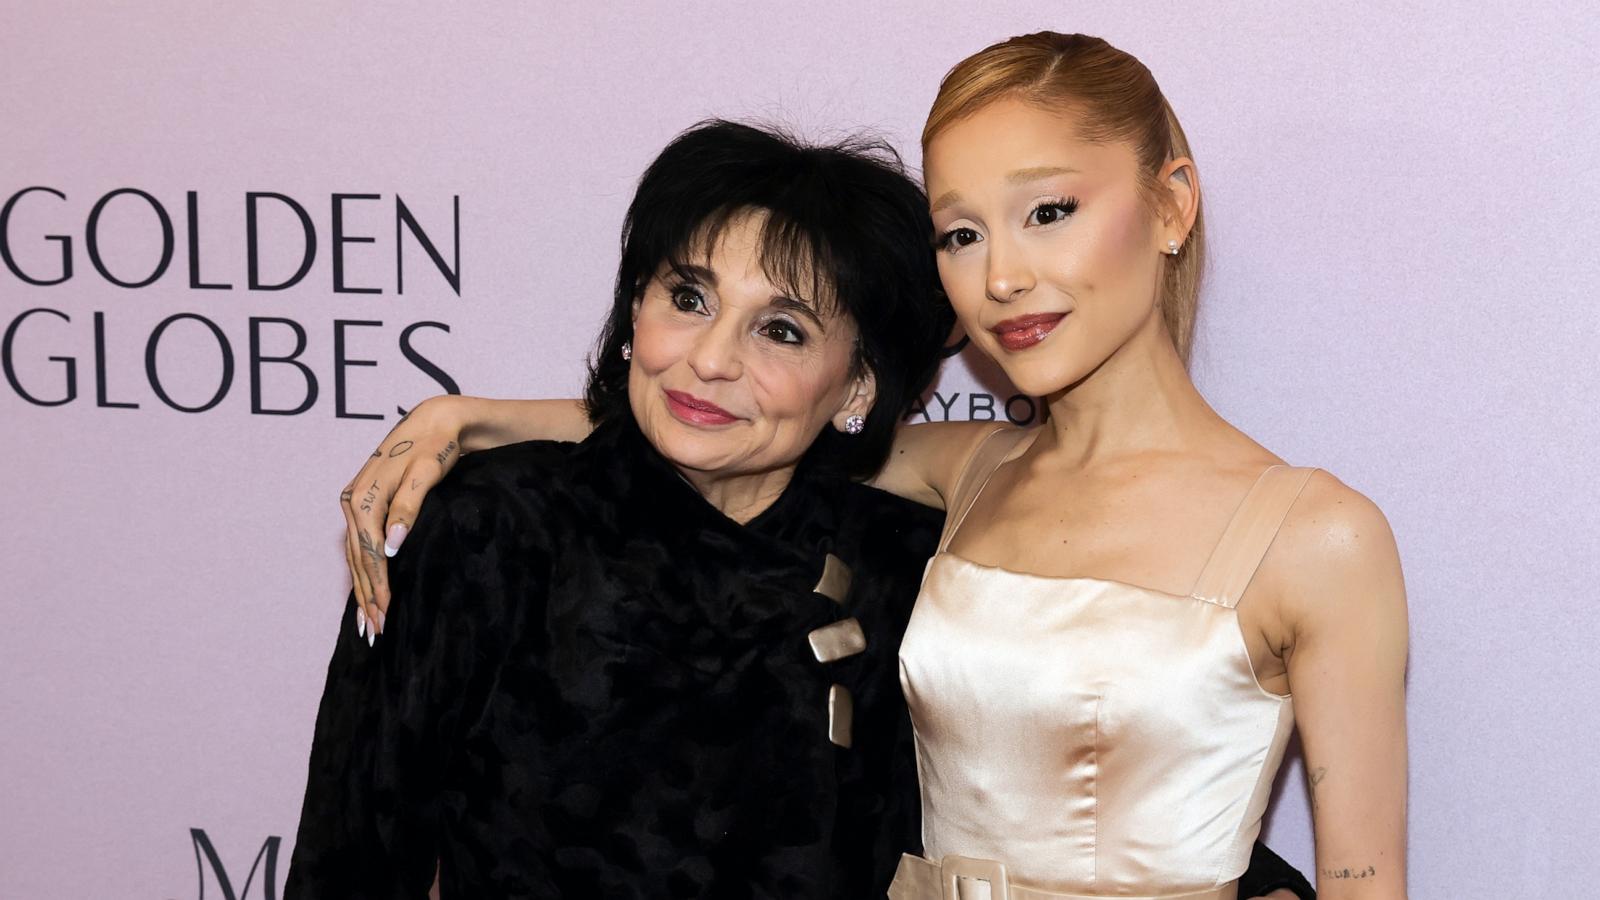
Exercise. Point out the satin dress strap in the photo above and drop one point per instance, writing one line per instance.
(1249, 535)
(991, 452)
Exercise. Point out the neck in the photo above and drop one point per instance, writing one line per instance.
(1140, 400)
(740, 497)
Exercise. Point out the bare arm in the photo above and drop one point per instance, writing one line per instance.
(926, 460)
(381, 502)
(1344, 611)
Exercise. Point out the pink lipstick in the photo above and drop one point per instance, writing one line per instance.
(691, 409)
(1023, 332)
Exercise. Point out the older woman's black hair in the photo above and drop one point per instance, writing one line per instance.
(845, 228)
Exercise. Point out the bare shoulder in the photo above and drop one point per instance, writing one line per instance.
(927, 459)
(1336, 554)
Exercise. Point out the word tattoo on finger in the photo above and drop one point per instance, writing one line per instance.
(444, 454)
(369, 498)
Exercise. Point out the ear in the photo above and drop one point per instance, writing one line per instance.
(1180, 182)
(863, 393)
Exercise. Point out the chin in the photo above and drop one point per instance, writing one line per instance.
(688, 447)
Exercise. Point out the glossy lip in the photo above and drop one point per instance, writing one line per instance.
(694, 411)
(1023, 332)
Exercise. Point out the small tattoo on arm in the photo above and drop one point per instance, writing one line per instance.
(1342, 874)
(399, 448)
(1315, 777)
(444, 454)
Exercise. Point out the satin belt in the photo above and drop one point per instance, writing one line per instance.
(965, 878)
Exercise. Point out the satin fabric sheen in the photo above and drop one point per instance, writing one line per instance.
(1099, 738)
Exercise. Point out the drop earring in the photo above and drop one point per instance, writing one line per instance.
(855, 425)
(1172, 247)
(627, 351)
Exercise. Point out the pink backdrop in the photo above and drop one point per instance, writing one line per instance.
(1403, 292)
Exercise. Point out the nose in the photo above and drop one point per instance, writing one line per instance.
(715, 355)
(1008, 275)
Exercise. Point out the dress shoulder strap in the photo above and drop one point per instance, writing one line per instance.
(983, 462)
(1249, 534)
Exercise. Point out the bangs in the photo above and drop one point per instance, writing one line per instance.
(794, 257)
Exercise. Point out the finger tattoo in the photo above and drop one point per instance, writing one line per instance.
(371, 552)
(399, 448)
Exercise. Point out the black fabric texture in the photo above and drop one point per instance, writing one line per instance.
(594, 684)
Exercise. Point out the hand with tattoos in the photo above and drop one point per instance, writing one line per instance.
(381, 502)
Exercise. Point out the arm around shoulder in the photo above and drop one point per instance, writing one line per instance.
(1344, 614)
(926, 460)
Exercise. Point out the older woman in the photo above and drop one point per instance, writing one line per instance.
(660, 662)
(675, 709)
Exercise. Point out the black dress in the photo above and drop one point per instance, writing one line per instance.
(593, 684)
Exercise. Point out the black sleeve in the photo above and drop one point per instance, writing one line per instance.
(1268, 872)
(370, 823)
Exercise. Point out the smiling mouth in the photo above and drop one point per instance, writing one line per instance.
(694, 411)
(1026, 331)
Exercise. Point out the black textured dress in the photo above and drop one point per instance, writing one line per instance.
(595, 685)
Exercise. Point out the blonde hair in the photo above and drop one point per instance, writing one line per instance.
(1116, 100)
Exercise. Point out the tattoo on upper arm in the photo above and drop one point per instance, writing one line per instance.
(1315, 777)
(444, 454)
(1342, 874)
(399, 448)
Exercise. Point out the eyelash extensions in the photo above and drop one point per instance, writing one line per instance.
(677, 293)
(1065, 207)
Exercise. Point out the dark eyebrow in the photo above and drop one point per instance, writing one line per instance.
(692, 272)
(791, 304)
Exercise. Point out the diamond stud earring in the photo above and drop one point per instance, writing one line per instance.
(627, 351)
(855, 425)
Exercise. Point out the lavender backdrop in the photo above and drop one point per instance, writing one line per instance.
(1403, 215)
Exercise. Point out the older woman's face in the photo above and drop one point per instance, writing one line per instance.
(731, 375)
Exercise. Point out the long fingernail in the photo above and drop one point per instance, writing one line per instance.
(361, 623)
(381, 623)
(372, 636)
(393, 540)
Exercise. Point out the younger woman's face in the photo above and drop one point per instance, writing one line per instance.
(733, 375)
(1046, 247)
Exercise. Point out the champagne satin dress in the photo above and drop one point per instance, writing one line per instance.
(1078, 737)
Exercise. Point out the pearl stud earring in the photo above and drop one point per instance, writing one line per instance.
(1172, 247)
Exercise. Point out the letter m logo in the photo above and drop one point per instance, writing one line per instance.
(205, 853)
